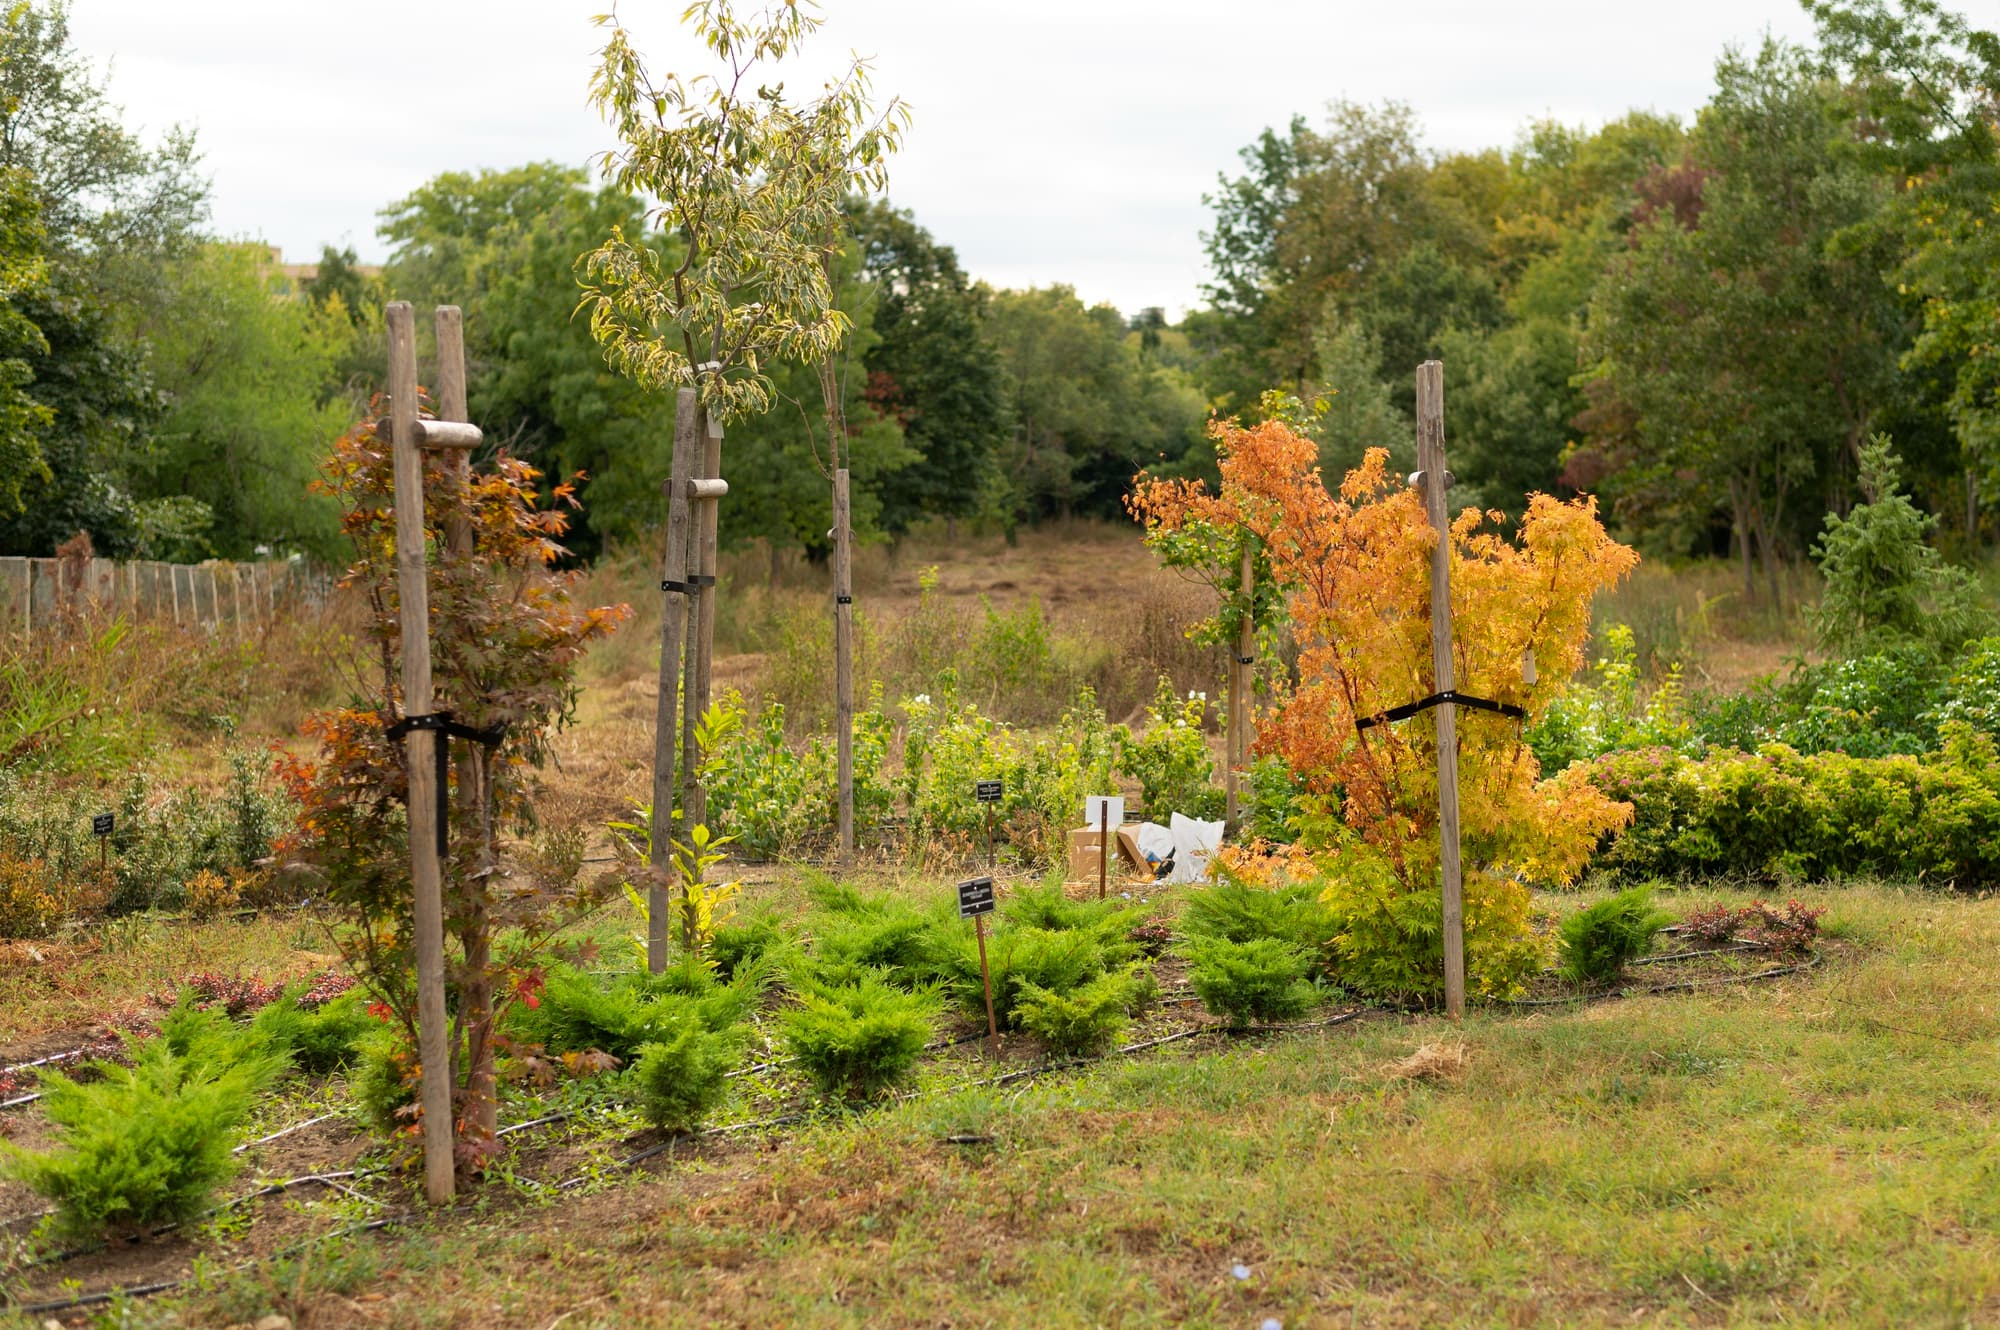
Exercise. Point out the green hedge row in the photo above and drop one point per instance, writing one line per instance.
(1777, 814)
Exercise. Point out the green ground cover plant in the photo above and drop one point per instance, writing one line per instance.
(1598, 941)
(857, 1040)
(149, 1143)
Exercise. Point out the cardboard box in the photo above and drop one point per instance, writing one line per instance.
(1125, 857)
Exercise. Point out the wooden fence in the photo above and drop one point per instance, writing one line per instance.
(213, 595)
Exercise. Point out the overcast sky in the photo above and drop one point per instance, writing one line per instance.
(1055, 140)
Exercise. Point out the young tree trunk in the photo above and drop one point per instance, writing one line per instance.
(1740, 529)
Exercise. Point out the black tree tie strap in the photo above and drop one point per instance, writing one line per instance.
(446, 729)
(1457, 699)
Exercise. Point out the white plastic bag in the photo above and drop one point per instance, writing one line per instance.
(1156, 843)
(1194, 842)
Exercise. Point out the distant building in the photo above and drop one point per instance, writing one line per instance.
(300, 273)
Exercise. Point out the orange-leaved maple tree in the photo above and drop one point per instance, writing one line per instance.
(505, 643)
(1353, 565)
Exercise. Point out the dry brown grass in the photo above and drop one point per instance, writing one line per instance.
(1438, 1060)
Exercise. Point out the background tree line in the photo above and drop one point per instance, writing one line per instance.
(1701, 321)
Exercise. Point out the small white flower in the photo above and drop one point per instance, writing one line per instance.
(1240, 1271)
(923, 699)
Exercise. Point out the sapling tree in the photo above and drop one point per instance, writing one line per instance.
(1353, 566)
(747, 187)
(505, 642)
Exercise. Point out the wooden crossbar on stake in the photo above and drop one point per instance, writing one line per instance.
(1435, 481)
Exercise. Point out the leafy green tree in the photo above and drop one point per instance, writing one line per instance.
(1086, 412)
(1751, 343)
(1412, 301)
(1360, 413)
(1926, 84)
(102, 190)
(752, 188)
(931, 368)
(109, 210)
(504, 246)
(780, 489)
(244, 366)
(23, 276)
(1510, 404)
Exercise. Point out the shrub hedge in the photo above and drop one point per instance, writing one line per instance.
(1777, 814)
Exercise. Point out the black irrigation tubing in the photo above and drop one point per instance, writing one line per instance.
(1682, 986)
(168, 1285)
(1666, 957)
(287, 1131)
(77, 1052)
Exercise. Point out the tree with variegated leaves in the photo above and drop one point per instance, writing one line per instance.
(749, 188)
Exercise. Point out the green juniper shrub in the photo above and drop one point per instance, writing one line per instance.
(1292, 912)
(1108, 922)
(1261, 980)
(1599, 939)
(148, 1144)
(322, 1039)
(383, 1080)
(1090, 1017)
(679, 1079)
(854, 934)
(745, 941)
(1020, 958)
(858, 1039)
(578, 1012)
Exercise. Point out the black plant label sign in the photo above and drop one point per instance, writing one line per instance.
(101, 824)
(975, 896)
(989, 791)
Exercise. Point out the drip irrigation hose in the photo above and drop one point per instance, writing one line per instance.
(1682, 986)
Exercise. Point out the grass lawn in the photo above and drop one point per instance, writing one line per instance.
(1815, 1149)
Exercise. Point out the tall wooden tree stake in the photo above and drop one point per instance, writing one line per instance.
(1242, 657)
(413, 596)
(673, 634)
(843, 660)
(1436, 481)
(706, 489)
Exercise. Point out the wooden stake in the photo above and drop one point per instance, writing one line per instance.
(666, 710)
(1430, 460)
(701, 656)
(1239, 695)
(1103, 845)
(986, 979)
(843, 661)
(413, 595)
